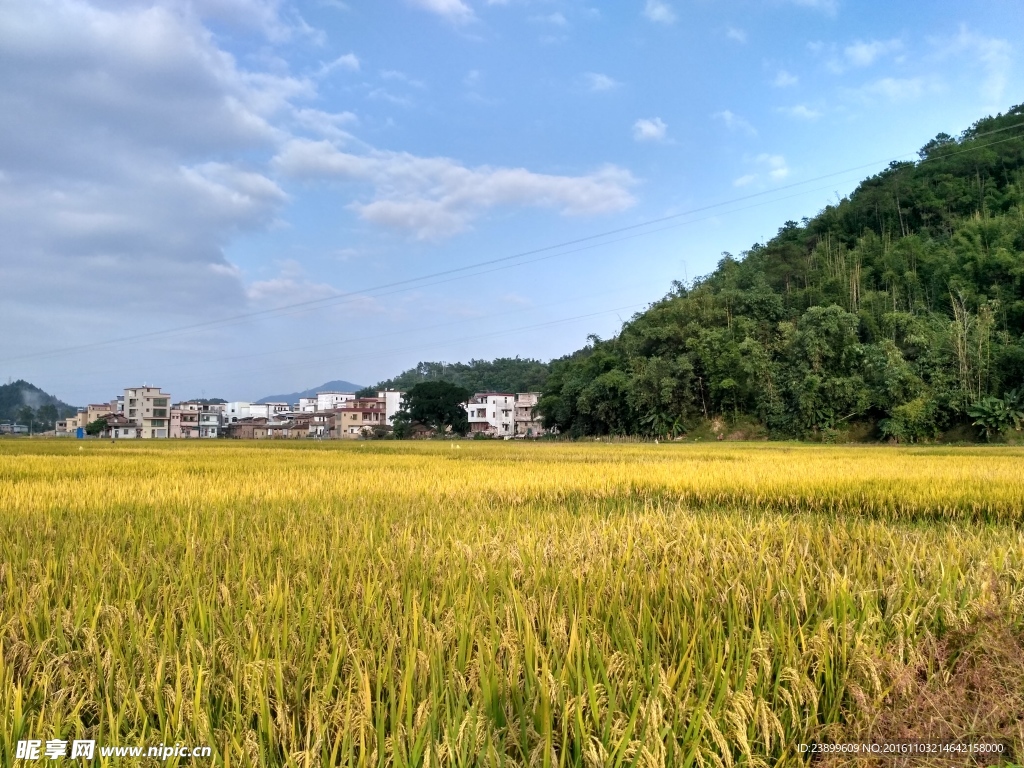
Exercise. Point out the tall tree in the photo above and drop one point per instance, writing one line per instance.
(25, 415)
(435, 404)
(47, 415)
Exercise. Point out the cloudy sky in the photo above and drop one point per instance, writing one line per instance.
(233, 198)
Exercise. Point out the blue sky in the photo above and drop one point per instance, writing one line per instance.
(170, 169)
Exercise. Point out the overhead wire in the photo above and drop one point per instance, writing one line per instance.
(408, 283)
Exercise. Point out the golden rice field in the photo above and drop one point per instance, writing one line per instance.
(498, 604)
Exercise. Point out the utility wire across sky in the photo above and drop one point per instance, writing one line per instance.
(510, 261)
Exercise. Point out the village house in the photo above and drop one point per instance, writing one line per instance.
(490, 413)
(150, 409)
(268, 410)
(120, 428)
(528, 422)
(356, 415)
(247, 429)
(318, 424)
(89, 414)
(392, 403)
(185, 421)
(329, 401)
(209, 421)
(287, 430)
(236, 411)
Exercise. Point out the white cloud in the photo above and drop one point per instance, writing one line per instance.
(401, 77)
(555, 19)
(829, 7)
(734, 122)
(455, 11)
(659, 12)
(864, 54)
(262, 15)
(110, 119)
(773, 166)
(776, 164)
(597, 82)
(801, 112)
(893, 89)
(737, 35)
(290, 286)
(857, 55)
(994, 55)
(516, 299)
(784, 79)
(383, 94)
(326, 124)
(437, 197)
(653, 129)
(348, 61)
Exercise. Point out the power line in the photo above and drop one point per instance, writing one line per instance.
(409, 282)
(322, 345)
(434, 345)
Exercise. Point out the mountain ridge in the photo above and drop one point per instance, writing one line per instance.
(338, 385)
(17, 394)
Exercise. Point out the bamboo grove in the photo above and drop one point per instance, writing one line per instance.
(895, 313)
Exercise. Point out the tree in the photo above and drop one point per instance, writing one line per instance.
(26, 416)
(434, 404)
(96, 427)
(47, 416)
(996, 415)
(504, 374)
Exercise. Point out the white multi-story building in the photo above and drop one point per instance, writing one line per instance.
(268, 410)
(307, 404)
(150, 409)
(236, 410)
(491, 413)
(328, 401)
(392, 403)
(209, 422)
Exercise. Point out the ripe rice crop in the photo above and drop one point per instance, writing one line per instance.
(455, 604)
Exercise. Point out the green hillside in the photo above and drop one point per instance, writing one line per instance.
(898, 312)
(506, 374)
(23, 402)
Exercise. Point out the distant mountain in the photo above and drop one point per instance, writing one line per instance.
(330, 386)
(17, 394)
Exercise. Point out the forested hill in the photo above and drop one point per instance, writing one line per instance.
(21, 401)
(505, 374)
(899, 309)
